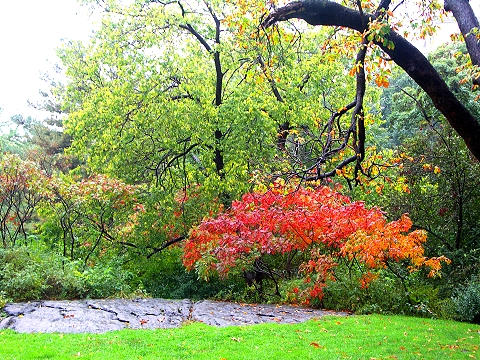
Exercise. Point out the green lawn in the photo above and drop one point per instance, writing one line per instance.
(354, 337)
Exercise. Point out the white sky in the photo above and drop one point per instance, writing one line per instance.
(30, 30)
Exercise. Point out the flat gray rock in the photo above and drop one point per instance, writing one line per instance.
(98, 316)
(217, 313)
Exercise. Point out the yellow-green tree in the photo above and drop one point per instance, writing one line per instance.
(195, 101)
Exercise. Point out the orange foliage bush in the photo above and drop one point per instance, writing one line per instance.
(319, 220)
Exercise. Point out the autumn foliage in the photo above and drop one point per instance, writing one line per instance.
(22, 187)
(317, 221)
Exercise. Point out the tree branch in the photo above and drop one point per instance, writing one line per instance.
(271, 81)
(165, 245)
(199, 37)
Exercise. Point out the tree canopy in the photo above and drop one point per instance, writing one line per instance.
(176, 95)
(238, 82)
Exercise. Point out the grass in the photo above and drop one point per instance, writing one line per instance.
(354, 337)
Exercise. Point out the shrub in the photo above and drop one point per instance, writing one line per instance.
(467, 301)
(383, 295)
(164, 276)
(38, 273)
(320, 223)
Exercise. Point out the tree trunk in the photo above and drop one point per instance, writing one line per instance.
(467, 21)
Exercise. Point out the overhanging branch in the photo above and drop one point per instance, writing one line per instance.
(404, 54)
(165, 245)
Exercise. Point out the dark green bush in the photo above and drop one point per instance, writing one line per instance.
(384, 295)
(467, 301)
(164, 276)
